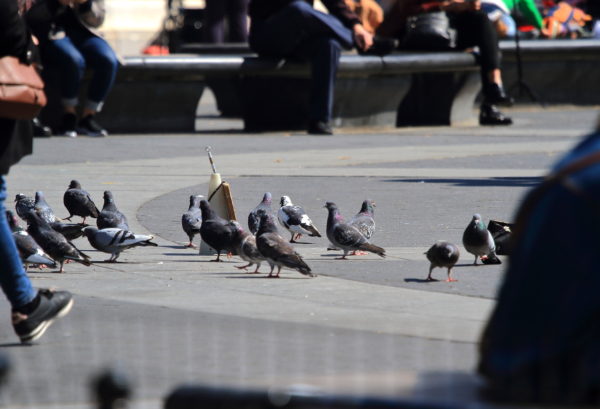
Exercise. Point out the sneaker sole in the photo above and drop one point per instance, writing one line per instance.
(41, 329)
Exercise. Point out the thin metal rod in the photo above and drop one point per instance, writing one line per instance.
(210, 158)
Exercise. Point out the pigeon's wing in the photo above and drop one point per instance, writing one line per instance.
(112, 219)
(25, 244)
(364, 223)
(71, 231)
(248, 249)
(79, 202)
(191, 222)
(348, 236)
(274, 247)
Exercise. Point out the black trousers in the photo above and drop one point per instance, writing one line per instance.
(474, 28)
(236, 13)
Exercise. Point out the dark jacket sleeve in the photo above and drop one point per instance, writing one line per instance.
(42, 14)
(339, 9)
(14, 37)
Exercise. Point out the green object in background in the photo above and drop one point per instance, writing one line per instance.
(528, 9)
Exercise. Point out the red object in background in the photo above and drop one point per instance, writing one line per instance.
(156, 49)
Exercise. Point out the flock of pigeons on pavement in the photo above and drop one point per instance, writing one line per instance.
(48, 240)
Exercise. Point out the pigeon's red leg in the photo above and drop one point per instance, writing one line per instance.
(192, 245)
(450, 279)
(359, 253)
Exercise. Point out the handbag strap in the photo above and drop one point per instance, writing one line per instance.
(558, 177)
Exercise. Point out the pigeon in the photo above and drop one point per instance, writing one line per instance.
(43, 208)
(110, 216)
(254, 216)
(54, 243)
(364, 221)
(114, 240)
(295, 220)
(276, 250)
(192, 219)
(30, 252)
(442, 254)
(23, 205)
(346, 237)
(245, 245)
(79, 203)
(479, 241)
(215, 231)
(71, 231)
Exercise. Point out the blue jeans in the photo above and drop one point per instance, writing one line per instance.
(299, 31)
(71, 54)
(13, 280)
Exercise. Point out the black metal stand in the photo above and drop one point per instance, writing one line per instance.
(522, 86)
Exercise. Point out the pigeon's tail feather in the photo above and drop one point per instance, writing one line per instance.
(40, 259)
(313, 230)
(296, 262)
(380, 251)
(148, 243)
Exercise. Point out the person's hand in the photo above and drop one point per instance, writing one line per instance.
(362, 38)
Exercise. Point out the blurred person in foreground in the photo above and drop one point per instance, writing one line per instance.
(542, 341)
(33, 311)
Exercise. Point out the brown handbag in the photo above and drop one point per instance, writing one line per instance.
(21, 90)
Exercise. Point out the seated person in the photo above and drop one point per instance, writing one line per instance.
(69, 42)
(473, 28)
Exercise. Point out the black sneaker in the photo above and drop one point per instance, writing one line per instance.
(490, 115)
(67, 127)
(495, 94)
(88, 126)
(31, 321)
(320, 128)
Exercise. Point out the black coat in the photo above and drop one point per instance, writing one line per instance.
(16, 137)
(263, 9)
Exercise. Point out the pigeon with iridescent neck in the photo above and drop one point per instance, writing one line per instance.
(79, 203)
(478, 241)
(346, 237)
(254, 216)
(244, 244)
(111, 217)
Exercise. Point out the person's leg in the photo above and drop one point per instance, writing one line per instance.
(13, 279)
(70, 64)
(237, 17)
(214, 21)
(103, 62)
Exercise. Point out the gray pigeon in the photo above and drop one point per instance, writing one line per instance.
(110, 216)
(216, 231)
(364, 220)
(254, 216)
(114, 240)
(191, 221)
(295, 220)
(479, 241)
(23, 205)
(276, 250)
(79, 203)
(346, 237)
(54, 243)
(43, 208)
(245, 245)
(71, 231)
(442, 254)
(30, 252)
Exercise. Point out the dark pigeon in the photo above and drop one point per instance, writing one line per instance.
(54, 243)
(110, 216)
(191, 221)
(295, 220)
(24, 205)
(276, 250)
(442, 254)
(30, 252)
(79, 203)
(216, 231)
(114, 240)
(43, 208)
(347, 237)
(71, 231)
(479, 241)
(254, 216)
(244, 244)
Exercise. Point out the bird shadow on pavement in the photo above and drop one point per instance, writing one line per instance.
(420, 280)
(496, 181)
(16, 345)
(181, 254)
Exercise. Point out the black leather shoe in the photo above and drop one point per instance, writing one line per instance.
(320, 128)
(495, 94)
(490, 115)
(39, 129)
